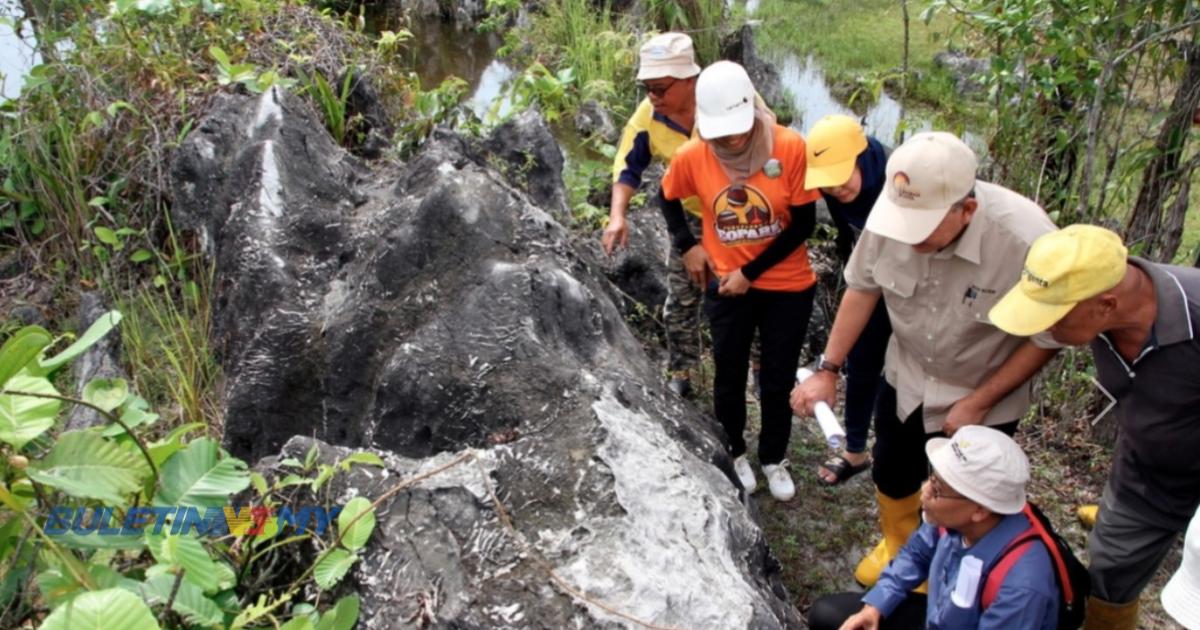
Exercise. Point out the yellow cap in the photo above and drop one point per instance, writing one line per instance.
(1063, 268)
(833, 146)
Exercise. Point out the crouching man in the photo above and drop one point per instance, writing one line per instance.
(972, 506)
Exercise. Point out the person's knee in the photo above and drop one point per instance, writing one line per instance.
(830, 611)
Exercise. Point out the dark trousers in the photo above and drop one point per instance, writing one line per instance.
(781, 320)
(830, 611)
(864, 368)
(900, 465)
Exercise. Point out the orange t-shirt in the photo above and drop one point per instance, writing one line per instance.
(735, 234)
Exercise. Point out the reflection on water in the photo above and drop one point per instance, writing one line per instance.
(439, 50)
(17, 50)
(813, 100)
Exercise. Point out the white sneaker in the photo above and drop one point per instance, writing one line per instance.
(745, 473)
(780, 481)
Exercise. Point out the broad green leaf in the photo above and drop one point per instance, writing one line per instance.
(92, 541)
(102, 610)
(361, 457)
(260, 484)
(333, 567)
(356, 532)
(20, 349)
(189, 600)
(98, 329)
(135, 412)
(85, 465)
(195, 477)
(343, 615)
(298, 623)
(163, 449)
(106, 393)
(58, 585)
(141, 255)
(23, 418)
(188, 553)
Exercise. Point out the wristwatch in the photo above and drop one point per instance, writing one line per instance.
(826, 365)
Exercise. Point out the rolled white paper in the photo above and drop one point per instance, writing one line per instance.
(970, 570)
(835, 435)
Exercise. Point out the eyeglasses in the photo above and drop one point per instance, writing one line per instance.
(658, 89)
(939, 490)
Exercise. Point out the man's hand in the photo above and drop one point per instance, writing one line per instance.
(820, 387)
(697, 265)
(734, 284)
(617, 233)
(865, 619)
(965, 411)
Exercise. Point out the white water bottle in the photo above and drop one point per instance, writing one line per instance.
(835, 435)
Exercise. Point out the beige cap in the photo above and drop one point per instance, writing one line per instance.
(926, 175)
(1181, 595)
(724, 101)
(667, 55)
(984, 465)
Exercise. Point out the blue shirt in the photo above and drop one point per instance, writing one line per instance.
(852, 216)
(1028, 598)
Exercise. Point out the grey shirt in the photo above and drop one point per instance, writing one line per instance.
(943, 345)
(1156, 468)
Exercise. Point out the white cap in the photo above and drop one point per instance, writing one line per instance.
(926, 175)
(724, 101)
(667, 55)
(1181, 595)
(984, 465)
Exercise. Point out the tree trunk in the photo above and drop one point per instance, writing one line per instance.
(1163, 175)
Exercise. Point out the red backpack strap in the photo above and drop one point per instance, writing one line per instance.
(1060, 565)
(1008, 559)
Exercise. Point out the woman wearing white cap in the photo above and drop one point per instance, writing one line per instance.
(748, 173)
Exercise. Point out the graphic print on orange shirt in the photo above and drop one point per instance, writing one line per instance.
(744, 217)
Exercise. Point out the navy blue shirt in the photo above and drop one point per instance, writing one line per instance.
(851, 217)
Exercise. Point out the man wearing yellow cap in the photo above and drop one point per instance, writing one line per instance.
(939, 249)
(1140, 319)
(848, 167)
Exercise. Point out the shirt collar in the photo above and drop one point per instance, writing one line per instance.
(670, 124)
(993, 542)
(1173, 322)
(970, 243)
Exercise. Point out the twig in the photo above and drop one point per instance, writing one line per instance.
(174, 592)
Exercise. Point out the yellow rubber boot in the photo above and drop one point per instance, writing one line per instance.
(1087, 515)
(1102, 615)
(898, 519)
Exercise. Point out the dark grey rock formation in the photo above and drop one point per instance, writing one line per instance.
(593, 120)
(102, 360)
(740, 47)
(439, 308)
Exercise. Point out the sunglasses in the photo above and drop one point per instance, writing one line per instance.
(659, 89)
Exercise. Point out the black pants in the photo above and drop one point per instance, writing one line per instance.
(781, 319)
(830, 611)
(864, 368)
(900, 465)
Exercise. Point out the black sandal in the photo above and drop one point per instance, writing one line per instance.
(842, 470)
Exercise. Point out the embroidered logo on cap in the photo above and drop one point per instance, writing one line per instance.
(903, 188)
(1041, 282)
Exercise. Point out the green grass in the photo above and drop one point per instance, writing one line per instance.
(853, 38)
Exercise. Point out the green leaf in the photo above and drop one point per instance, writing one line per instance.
(135, 413)
(356, 532)
(260, 484)
(195, 477)
(163, 449)
(24, 418)
(23, 347)
(106, 393)
(298, 623)
(141, 255)
(219, 55)
(188, 553)
(342, 616)
(362, 457)
(102, 610)
(106, 236)
(98, 329)
(333, 567)
(59, 586)
(85, 465)
(189, 600)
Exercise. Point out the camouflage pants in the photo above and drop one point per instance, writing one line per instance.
(682, 313)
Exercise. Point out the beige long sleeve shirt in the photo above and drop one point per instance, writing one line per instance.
(943, 346)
